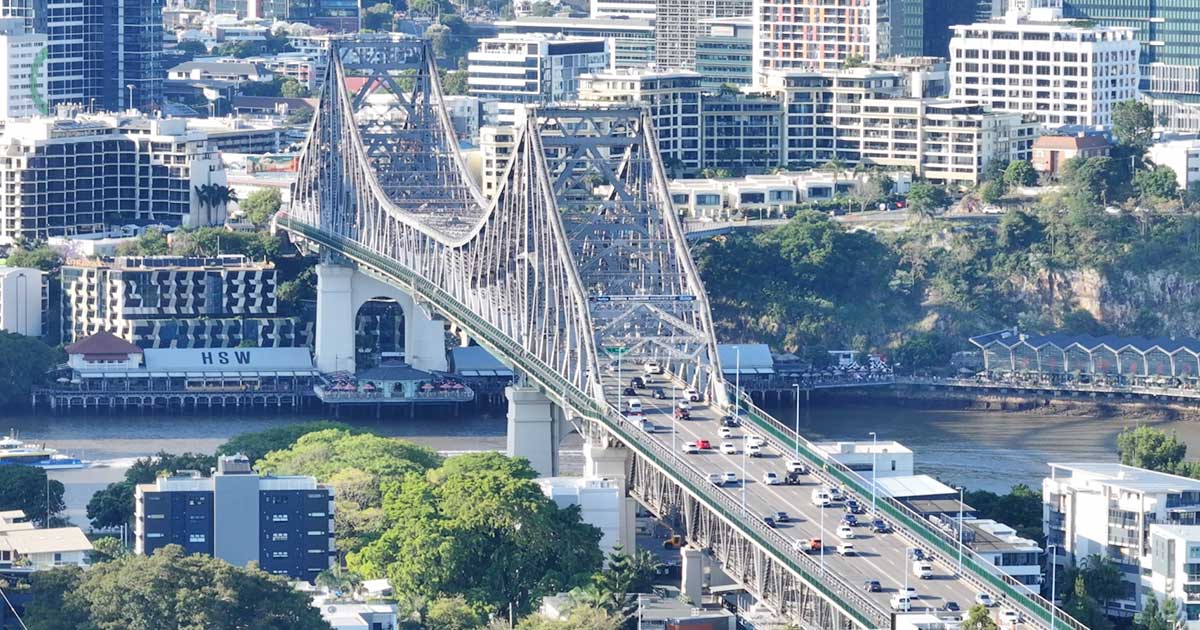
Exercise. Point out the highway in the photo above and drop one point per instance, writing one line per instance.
(881, 557)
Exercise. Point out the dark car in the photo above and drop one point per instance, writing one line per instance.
(769, 520)
(659, 394)
(637, 382)
(781, 517)
(793, 479)
(850, 520)
(854, 507)
(730, 421)
(880, 526)
(916, 553)
(950, 606)
(872, 586)
(629, 391)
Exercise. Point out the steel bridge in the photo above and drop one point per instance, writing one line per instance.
(577, 265)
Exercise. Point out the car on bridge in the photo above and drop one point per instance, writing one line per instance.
(880, 526)
(792, 479)
(682, 414)
(690, 448)
(692, 394)
(872, 586)
(854, 507)
(845, 549)
(730, 478)
(836, 494)
(782, 517)
(637, 383)
(1009, 618)
(652, 367)
(730, 421)
(753, 439)
(771, 479)
(922, 569)
(754, 450)
(683, 404)
(845, 532)
(716, 479)
(703, 445)
(658, 394)
(950, 606)
(729, 448)
(850, 520)
(725, 432)
(820, 498)
(629, 391)
(797, 466)
(900, 602)
(807, 545)
(983, 599)
(769, 520)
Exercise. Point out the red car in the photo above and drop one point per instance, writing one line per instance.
(703, 444)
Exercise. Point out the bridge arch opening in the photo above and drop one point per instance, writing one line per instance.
(379, 333)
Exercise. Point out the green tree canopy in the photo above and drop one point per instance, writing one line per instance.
(256, 444)
(579, 618)
(1158, 183)
(24, 364)
(979, 618)
(454, 82)
(479, 526)
(1020, 173)
(925, 199)
(168, 590)
(152, 242)
(38, 257)
(1021, 509)
(261, 205)
(24, 488)
(210, 241)
(192, 46)
(992, 192)
(922, 351)
(379, 17)
(1150, 448)
(1133, 125)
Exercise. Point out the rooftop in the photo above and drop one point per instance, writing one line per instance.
(1075, 143)
(992, 536)
(55, 540)
(220, 67)
(1125, 477)
(1011, 337)
(912, 486)
(866, 446)
(476, 361)
(103, 346)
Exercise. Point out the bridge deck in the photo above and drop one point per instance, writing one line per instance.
(880, 557)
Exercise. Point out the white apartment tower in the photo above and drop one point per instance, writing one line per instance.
(1034, 61)
(20, 48)
(817, 34)
(22, 297)
(515, 70)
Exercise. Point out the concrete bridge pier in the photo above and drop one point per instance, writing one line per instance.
(534, 428)
(611, 461)
(692, 580)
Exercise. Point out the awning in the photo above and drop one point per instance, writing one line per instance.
(729, 370)
(236, 374)
(177, 374)
(119, 374)
(158, 375)
(92, 374)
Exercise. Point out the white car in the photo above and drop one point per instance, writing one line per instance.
(729, 448)
(771, 479)
(690, 448)
(729, 477)
(983, 599)
(900, 603)
(845, 532)
(754, 450)
(835, 493)
(755, 440)
(845, 549)
(796, 466)
(692, 394)
(683, 404)
(725, 432)
(910, 591)
(1009, 617)
(652, 367)
(716, 479)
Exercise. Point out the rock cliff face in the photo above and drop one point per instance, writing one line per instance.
(1117, 300)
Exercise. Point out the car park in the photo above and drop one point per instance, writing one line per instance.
(872, 586)
(729, 448)
(845, 532)
(690, 448)
(704, 445)
(983, 599)
(797, 466)
(730, 478)
(754, 450)
(770, 479)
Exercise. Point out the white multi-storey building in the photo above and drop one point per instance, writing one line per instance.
(84, 174)
(816, 34)
(1175, 569)
(629, 9)
(22, 300)
(516, 69)
(19, 49)
(1180, 154)
(674, 101)
(999, 544)
(1108, 510)
(631, 41)
(1034, 61)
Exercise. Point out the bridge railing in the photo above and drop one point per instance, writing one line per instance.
(979, 570)
(848, 597)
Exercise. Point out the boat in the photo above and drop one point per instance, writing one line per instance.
(14, 451)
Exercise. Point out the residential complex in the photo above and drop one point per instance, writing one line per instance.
(674, 101)
(19, 49)
(817, 34)
(1174, 568)
(22, 300)
(725, 52)
(81, 175)
(679, 22)
(25, 548)
(630, 41)
(1034, 61)
(283, 523)
(999, 544)
(515, 70)
(1108, 509)
(772, 195)
(176, 302)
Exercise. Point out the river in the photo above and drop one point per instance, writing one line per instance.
(981, 449)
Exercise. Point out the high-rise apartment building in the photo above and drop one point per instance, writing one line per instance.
(673, 97)
(66, 176)
(22, 55)
(725, 52)
(513, 70)
(678, 24)
(921, 28)
(630, 41)
(1035, 61)
(175, 302)
(818, 34)
(283, 523)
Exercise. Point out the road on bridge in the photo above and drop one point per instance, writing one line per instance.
(882, 557)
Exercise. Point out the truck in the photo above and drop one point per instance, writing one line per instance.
(922, 569)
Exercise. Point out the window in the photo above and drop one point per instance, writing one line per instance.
(316, 514)
(279, 536)
(279, 554)
(197, 538)
(279, 518)
(154, 535)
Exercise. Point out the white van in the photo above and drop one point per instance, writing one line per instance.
(845, 549)
(634, 406)
(652, 367)
(901, 603)
(820, 498)
(922, 569)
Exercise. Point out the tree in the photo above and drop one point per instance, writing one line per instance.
(1133, 125)
(454, 82)
(992, 192)
(1018, 231)
(108, 548)
(1021, 509)
(25, 488)
(255, 445)
(1157, 184)
(210, 241)
(1150, 448)
(291, 88)
(479, 526)
(379, 17)
(299, 116)
(24, 364)
(261, 205)
(853, 61)
(1092, 179)
(875, 189)
(1020, 173)
(192, 47)
(113, 506)
(580, 618)
(152, 242)
(979, 618)
(541, 8)
(452, 613)
(39, 257)
(339, 581)
(168, 590)
(925, 199)
(215, 195)
(922, 351)
(1084, 608)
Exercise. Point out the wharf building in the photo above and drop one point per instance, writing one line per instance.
(1036, 62)
(73, 175)
(284, 523)
(176, 302)
(1080, 359)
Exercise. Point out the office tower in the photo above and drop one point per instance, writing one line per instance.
(678, 24)
(922, 27)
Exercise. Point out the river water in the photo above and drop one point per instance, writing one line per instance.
(980, 449)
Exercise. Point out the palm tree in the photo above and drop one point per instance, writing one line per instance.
(339, 581)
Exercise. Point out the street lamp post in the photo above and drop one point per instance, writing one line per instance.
(874, 453)
(797, 436)
(737, 386)
(960, 528)
(674, 420)
(821, 509)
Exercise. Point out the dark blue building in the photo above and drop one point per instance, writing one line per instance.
(283, 523)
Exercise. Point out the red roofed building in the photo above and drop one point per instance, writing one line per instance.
(1051, 152)
(103, 350)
